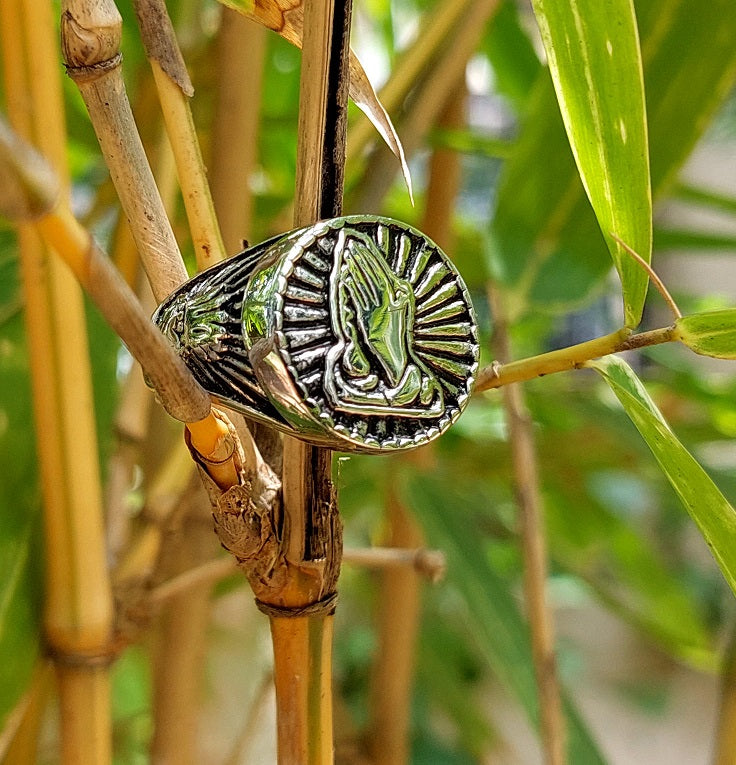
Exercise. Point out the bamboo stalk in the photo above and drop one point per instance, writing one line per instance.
(180, 644)
(78, 608)
(19, 738)
(303, 644)
(302, 649)
(398, 626)
(526, 484)
(445, 174)
(241, 47)
(400, 593)
(174, 88)
(725, 745)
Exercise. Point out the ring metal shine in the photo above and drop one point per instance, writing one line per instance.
(355, 333)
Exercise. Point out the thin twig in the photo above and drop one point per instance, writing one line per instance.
(526, 484)
(658, 283)
(428, 563)
(398, 620)
(245, 738)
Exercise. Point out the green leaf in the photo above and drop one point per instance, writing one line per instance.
(710, 510)
(511, 53)
(707, 197)
(625, 570)
(20, 574)
(712, 333)
(689, 240)
(491, 613)
(549, 251)
(594, 59)
(443, 677)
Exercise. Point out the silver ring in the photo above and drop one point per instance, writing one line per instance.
(355, 333)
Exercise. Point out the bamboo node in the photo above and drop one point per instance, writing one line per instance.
(91, 37)
(93, 660)
(324, 607)
(90, 72)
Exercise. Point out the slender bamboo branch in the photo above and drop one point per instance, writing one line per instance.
(400, 592)
(573, 357)
(174, 88)
(165, 492)
(445, 171)
(526, 484)
(180, 643)
(430, 564)
(91, 34)
(241, 47)
(19, 739)
(250, 727)
(399, 605)
(91, 40)
(435, 32)
(725, 749)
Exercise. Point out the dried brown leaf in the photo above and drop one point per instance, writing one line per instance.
(286, 18)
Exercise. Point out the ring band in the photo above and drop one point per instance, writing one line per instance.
(355, 333)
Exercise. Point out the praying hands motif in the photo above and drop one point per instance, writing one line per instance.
(373, 368)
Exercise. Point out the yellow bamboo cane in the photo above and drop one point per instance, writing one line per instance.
(78, 604)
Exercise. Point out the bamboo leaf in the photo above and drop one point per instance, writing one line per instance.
(286, 17)
(548, 249)
(445, 510)
(712, 333)
(594, 59)
(710, 510)
(20, 575)
(677, 240)
(512, 55)
(707, 197)
(19, 618)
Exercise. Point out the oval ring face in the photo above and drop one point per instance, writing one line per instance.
(358, 331)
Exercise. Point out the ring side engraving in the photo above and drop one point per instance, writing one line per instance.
(356, 333)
